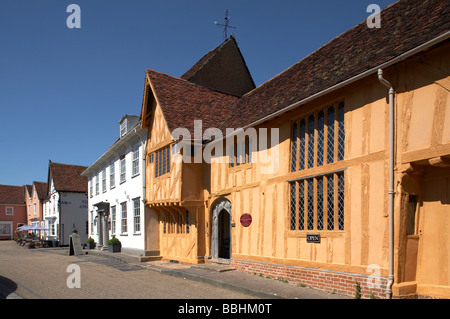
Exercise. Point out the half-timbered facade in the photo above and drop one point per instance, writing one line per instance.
(340, 174)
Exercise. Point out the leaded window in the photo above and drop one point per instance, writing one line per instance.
(162, 161)
(317, 202)
(294, 148)
(318, 139)
(341, 132)
(311, 130)
(330, 135)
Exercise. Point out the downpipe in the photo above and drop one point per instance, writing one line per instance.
(391, 191)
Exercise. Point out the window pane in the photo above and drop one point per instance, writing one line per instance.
(341, 132)
(137, 215)
(231, 159)
(311, 141)
(113, 220)
(301, 158)
(320, 137)
(330, 202)
(124, 217)
(293, 205)
(320, 203)
(164, 161)
(160, 163)
(294, 148)
(156, 164)
(340, 195)
(112, 177)
(310, 204)
(301, 205)
(330, 135)
(168, 160)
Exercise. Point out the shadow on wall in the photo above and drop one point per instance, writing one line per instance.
(7, 286)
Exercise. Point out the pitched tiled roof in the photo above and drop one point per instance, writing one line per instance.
(12, 194)
(29, 190)
(194, 69)
(67, 178)
(41, 189)
(405, 25)
(182, 102)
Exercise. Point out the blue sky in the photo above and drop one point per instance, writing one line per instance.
(63, 91)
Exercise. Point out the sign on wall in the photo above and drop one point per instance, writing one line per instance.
(313, 238)
(246, 220)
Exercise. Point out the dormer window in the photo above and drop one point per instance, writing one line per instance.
(123, 128)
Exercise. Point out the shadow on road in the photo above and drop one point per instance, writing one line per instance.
(7, 286)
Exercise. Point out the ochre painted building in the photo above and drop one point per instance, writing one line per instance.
(357, 185)
(34, 198)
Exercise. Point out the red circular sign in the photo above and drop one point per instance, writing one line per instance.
(246, 220)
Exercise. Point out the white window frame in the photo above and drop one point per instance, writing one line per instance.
(113, 219)
(124, 215)
(123, 128)
(123, 170)
(97, 184)
(104, 180)
(137, 215)
(11, 211)
(10, 224)
(112, 175)
(135, 165)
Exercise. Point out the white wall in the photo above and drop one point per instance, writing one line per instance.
(73, 215)
(74, 207)
(132, 242)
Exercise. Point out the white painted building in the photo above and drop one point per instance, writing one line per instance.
(116, 190)
(65, 207)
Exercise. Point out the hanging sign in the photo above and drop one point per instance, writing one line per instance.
(246, 220)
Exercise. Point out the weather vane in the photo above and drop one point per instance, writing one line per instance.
(225, 26)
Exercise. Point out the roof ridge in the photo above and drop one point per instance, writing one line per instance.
(192, 83)
(348, 54)
(203, 60)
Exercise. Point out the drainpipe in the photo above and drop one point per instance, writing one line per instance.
(391, 183)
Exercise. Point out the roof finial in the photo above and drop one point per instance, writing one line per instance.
(226, 26)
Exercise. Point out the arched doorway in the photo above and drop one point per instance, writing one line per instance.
(221, 230)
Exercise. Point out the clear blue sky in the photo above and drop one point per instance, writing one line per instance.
(63, 91)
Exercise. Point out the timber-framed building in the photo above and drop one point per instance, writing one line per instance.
(357, 188)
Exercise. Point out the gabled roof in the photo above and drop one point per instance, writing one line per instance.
(405, 25)
(28, 190)
(41, 189)
(197, 66)
(13, 195)
(67, 178)
(222, 69)
(182, 102)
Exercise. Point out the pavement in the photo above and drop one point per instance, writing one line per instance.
(224, 276)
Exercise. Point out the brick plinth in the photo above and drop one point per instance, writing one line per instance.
(331, 281)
